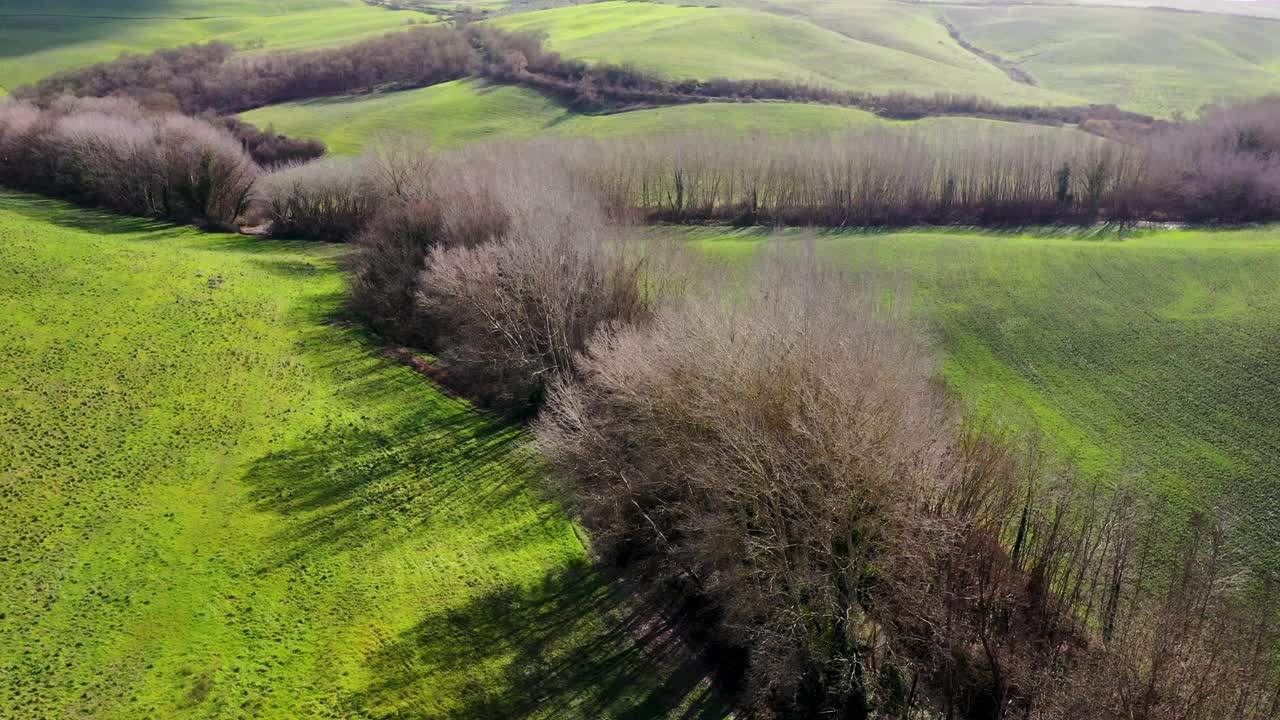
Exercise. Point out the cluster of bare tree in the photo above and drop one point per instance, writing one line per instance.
(1222, 168)
(500, 264)
(788, 456)
(267, 147)
(865, 177)
(112, 153)
(211, 77)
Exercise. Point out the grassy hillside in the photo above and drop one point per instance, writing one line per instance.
(1151, 357)
(467, 110)
(706, 42)
(40, 38)
(217, 502)
(450, 114)
(1148, 60)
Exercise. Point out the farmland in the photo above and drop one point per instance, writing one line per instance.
(41, 38)
(500, 456)
(1146, 60)
(701, 42)
(1149, 358)
(464, 111)
(223, 502)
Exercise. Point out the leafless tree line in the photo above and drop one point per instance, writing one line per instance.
(114, 154)
(1222, 168)
(878, 176)
(213, 78)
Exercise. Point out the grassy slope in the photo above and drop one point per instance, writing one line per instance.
(40, 38)
(706, 42)
(216, 503)
(1148, 60)
(1152, 357)
(465, 111)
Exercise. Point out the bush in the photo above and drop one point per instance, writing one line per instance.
(328, 200)
(267, 147)
(515, 312)
(391, 253)
(115, 154)
(758, 449)
(785, 454)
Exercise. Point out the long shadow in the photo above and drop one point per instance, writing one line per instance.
(569, 644)
(64, 214)
(428, 455)
(556, 657)
(28, 31)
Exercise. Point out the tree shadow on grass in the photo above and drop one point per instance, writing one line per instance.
(64, 214)
(417, 461)
(343, 487)
(569, 645)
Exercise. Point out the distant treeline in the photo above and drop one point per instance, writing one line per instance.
(213, 78)
(1223, 168)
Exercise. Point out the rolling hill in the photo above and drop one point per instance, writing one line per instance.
(464, 111)
(1153, 61)
(40, 38)
(739, 43)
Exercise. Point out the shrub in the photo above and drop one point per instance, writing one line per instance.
(391, 253)
(515, 312)
(758, 449)
(115, 154)
(327, 200)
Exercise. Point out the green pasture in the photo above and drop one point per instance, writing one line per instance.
(38, 39)
(1151, 358)
(707, 42)
(1154, 61)
(219, 500)
(465, 111)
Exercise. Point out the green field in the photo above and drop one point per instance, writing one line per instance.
(1151, 358)
(40, 38)
(465, 111)
(221, 502)
(707, 42)
(1152, 61)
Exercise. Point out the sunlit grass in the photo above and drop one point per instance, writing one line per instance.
(217, 499)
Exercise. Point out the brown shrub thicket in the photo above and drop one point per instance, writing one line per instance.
(112, 153)
(329, 200)
(495, 259)
(786, 455)
(513, 313)
(391, 255)
(267, 147)
(868, 177)
(1224, 167)
(758, 449)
